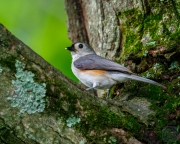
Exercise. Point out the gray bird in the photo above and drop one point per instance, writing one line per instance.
(97, 72)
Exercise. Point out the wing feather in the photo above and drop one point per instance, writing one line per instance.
(95, 62)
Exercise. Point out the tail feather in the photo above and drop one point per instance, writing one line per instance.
(138, 78)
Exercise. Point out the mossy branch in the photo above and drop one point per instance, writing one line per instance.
(39, 104)
(144, 37)
(35, 112)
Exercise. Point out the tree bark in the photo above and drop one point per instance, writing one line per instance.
(143, 36)
(40, 105)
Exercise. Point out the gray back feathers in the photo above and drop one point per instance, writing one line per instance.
(95, 62)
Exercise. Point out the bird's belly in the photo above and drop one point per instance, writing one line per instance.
(88, 77)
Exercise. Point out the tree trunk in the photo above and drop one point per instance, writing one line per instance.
(143, 36)
(40, 105)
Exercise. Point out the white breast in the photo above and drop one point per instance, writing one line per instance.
(89, 77)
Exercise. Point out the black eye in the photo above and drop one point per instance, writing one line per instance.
(80, 45)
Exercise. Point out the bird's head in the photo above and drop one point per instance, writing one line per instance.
(80, 49)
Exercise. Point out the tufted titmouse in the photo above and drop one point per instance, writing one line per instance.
(97, 72)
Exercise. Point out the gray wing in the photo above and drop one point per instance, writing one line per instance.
(95, 62)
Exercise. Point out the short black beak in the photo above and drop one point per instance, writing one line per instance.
(71, 48)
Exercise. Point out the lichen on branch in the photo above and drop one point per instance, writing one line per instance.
(28, 95)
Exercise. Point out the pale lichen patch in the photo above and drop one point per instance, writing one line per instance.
(72, 121)
(28, 95)
(1, 69)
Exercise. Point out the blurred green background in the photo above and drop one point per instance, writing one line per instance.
(42, 26)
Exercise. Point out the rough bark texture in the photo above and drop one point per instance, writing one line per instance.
(40, 105)
(144, 36)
